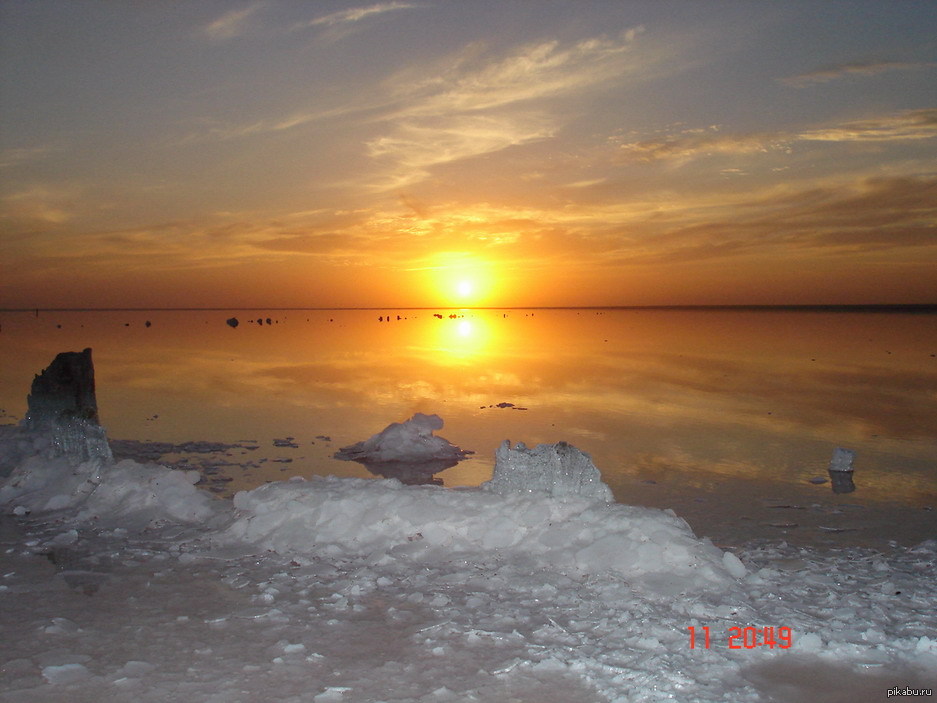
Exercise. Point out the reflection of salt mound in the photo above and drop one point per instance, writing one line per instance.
(410, 441)
(386, 521)
(557, 469)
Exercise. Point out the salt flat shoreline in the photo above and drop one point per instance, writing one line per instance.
(99, 613)
(334, 590)
(735, 517)
(738, 515)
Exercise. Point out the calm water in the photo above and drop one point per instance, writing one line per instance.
(723, 415)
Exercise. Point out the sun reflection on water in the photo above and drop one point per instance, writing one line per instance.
(462, 338)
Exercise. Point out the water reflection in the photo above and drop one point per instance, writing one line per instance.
(465, 337)
(697, 400)
(410, 473)
(842, 481)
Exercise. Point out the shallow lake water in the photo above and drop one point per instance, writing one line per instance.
(728, 417)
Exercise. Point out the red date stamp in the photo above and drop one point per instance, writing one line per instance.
(743, 637)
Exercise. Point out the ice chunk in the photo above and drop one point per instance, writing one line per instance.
(79, 439)
(63, 408)
(733, 565)
(842, 459)
(557, 469)
(137, 493)
(65, 673)
(135, 668)
(410, 441)
(64, 389)
(655, 550)
(128, 491)
(840, 470)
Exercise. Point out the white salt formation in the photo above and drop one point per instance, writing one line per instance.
(555, 469)
(410, 441)
(386, 521)
(109, 493)
(842, 459)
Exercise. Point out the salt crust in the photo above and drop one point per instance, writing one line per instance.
(412, 440)
(367, 590)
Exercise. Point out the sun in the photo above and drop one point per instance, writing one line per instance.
(460, 279)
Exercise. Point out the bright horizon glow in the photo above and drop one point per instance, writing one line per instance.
(543, 154)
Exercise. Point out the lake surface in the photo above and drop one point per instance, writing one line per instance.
(726, 416)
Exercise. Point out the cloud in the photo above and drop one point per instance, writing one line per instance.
(473, 104)
(872, 215)
(539, 70)
(39, 204)
(232, 23)
(688, 144)
(356, 14)
(221, 131)
(692, 143)
(17, 156)
(217, 130)
(323, 244)
(848, 70)
(413, 147)
(912, 125)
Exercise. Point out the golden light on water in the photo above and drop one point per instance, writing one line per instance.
(461, 338)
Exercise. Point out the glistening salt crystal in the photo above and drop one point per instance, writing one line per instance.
(555, 469)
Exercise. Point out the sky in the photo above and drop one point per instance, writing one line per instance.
(474, 153)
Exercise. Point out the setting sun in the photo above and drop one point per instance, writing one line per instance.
(461, 279)
(465, 288)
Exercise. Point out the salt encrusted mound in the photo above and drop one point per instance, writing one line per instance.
(126, 492)
(556, 469)
(384, 521)
(62, 412)
(64, 389)
(410, 441)
(61, 460)
(842, 459)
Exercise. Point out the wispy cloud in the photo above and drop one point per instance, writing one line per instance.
(17, 156)
(850, 70)
(355, 14)
(232, 23)
(39, 204)
(474, 104)
(220, 130)
(540, 70)
(687, 144)
(912, 125)
(850, 218)
(691, 143)
(414, 147)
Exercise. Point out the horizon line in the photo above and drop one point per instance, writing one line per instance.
(831, 307)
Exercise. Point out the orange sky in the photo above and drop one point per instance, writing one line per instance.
(394, 154)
